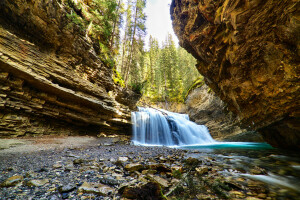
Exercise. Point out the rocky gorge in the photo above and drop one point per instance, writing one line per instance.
(65, 120)
(248, 52)
(52, 80)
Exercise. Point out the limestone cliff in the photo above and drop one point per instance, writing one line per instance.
(51, 79)
(248, 52)
(205, 107)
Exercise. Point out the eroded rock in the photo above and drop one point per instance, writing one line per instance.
(95, 188)
(52, 80)
(132, 167)
(12, 181)
(248, 52)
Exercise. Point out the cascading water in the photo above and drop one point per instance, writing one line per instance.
(160, 127)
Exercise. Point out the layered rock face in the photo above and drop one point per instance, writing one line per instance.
(248, 52)
(205, 107)
(51, 79)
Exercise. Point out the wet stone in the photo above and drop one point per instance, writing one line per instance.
(134, 167)
(67, 188)
(37, 183)
(162, 182)
(201, 170)
(110, 181)
(57, 166)
(148, 190)
(95, 188)
(78, 161)
(12, 181)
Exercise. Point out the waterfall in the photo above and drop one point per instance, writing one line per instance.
(160, 127)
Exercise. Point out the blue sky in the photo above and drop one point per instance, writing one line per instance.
(158, 20)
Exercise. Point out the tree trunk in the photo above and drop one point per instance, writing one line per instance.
(131, 47)
(114, 28)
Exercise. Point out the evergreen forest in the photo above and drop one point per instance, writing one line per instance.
(160, 72)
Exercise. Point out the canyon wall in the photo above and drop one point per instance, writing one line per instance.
(52, 80)
(248, 52)
(204, 107)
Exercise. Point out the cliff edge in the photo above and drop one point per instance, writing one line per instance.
(52, 80)
(248, 52)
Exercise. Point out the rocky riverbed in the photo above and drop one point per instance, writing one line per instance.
(112, 168)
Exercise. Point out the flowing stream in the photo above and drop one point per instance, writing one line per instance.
(157, 127)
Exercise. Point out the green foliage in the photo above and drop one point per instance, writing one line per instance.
(196, 84)
(77, 20)
(137, 87)
(177, 174)
(167, 71)
(117, 78)
(100, 20)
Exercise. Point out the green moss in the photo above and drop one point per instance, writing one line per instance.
(75, 19)
(196, 84)
(117, 78)
(177, 174)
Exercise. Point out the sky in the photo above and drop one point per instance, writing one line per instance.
(159, 22)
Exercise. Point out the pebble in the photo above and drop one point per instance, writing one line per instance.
(67, 188)
(95, 188)
(12, 181)
(134, 167)
(162, 182)
(201, 170)
(37, 183)
(93, 175)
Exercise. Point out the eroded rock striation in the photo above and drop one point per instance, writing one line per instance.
(51, 79)
(248, 52)
(205, 107)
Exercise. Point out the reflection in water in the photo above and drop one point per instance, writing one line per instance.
(255, 161)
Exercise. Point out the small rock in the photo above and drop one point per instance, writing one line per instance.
(177, 168)
(67, 188)
(95, 188)
(175, 181)
(149, 171)
(257, 171)
(123, 159)
(201, 170)
(237, 194)
(57, 166)
(252, 198)
(162, 159)
(192, 161)
(162, 182)
(134, 167)
(262, 196)
(159, 167)
(31, 174)
(110, 181)
(149, 190)
(65, 195)
(37, 183)
(12, 181)
(78, 161)
(205, 196)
